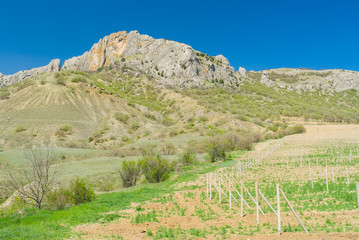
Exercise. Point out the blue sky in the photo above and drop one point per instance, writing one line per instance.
(254, 34)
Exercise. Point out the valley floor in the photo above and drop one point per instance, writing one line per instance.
(188, 213)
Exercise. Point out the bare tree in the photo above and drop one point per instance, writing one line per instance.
(36, 177)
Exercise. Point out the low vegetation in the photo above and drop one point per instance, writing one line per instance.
(155, 168)
(129, 173)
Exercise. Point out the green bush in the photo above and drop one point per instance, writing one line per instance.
(188, 156)
(129, 173)
(168, 121)
(4, 94)
(20, 128)
(78, 79)
(122, 117)
(155, 168)
(61, 81)
(203, 118)
(246, 142)
(168, 149)
(297, 128)
(81, 192)
(217, 149)
(135, 126)
(64, 130)
(59, 199)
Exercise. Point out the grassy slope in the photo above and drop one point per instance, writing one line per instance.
(45, 224)
(255, 101)
(89, 106)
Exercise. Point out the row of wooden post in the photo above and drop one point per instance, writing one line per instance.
(326, 177)
(211, 181)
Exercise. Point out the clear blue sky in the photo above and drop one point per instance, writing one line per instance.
(253, 34)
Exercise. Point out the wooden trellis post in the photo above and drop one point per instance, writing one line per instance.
(207, 184)
(241, 197)
(278, 208)
(257, 203)
(230, 195)
(292, 209)
(219, 192)
(311, 177)
(210, 186)
(326, 177)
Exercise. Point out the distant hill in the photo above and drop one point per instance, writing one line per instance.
(133, 88)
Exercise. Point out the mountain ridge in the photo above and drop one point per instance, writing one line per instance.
(175, 64)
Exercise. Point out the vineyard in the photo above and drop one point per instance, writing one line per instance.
(314, 175)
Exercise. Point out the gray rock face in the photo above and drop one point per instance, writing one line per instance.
(299, 80)
(243, 72)
(172, 63)
(265, 79)
(6, 80)
(344, 80)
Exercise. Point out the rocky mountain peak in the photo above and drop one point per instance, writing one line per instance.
(171, 62)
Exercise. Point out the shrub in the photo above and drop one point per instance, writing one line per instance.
(168, 121)
(121, 117)
(64, 130)
(168, 149)
(298, 128)
(4, 94)
(59, 199)
(78, 79)
(147, 150)
(203, 118)
(155, 168)
(24, 84)
(150, 116)
(246, 142)
(19, 128)
(129, 173)
(188, 156)
(198, 147)
(231, 140)
(61, 81)
(135, 126)
(81, 192)
(217, 149)
(105, 183)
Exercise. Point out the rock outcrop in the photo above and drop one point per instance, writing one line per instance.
(171, 62)
(265, 79)
(6, 80)
(176, 64)
(334, 80)
(243, 72)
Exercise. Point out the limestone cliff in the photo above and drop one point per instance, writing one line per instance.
(170, 62)
(334, 80)
(6, 80)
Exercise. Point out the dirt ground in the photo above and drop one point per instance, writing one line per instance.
(191, 209)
